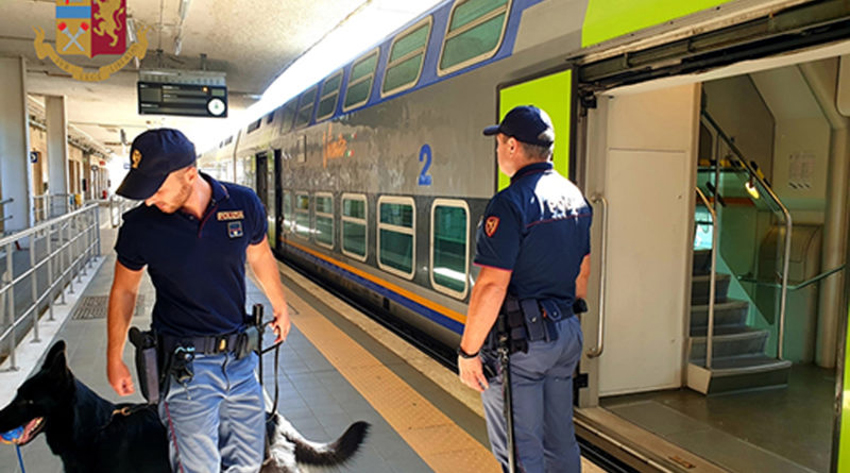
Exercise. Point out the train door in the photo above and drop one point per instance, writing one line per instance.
(642, 161)
(261, 179)
(278, 200)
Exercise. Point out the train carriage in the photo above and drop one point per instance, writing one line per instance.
(710, 136)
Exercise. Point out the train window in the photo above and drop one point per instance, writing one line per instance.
(287, 115)
(287, 212)
(324, 219)
(354, 226)
(228, 140)
(360, 81)
(305, 107)
(397, 235)
(475, 31)
(255, 125)
(406, 56)
(302, 215)
(330, 92)
(449, 246)
(269, 118)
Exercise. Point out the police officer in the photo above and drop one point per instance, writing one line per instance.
(533, 245)
(194, 235)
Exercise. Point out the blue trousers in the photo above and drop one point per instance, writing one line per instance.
(217, 421)
(542, 404)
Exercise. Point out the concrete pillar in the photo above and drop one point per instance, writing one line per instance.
(57, 148)
(15, 170)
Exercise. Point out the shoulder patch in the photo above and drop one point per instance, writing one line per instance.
(490, 225)
(230, 215)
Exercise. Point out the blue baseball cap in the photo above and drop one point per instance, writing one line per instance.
(526, 123)
(154, 155)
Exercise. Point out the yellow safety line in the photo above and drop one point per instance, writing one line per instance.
(457, 316)
(440, 443)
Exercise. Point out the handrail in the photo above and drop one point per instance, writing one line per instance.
(603, 260)
(7, 201)
(712, 285)
(789, 226)
(70, 243)
(795, 287)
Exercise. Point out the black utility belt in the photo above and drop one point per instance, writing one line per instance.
(528, 320)
(203, 345)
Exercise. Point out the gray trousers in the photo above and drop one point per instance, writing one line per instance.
(542, 404)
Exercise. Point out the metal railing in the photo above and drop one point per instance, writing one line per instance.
(712, 287)
(60, 249)
(47, 206)
(5, 217)
(774, 199)
(117, 206)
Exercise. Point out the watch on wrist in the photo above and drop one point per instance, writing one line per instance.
(461, 353)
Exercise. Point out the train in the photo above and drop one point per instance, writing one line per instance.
(700, 131)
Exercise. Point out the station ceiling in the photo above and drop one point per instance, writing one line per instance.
(250, 41)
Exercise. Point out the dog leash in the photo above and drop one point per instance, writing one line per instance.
(10, 438)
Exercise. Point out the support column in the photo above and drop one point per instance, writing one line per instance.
(57, 149)
(15, 170)
(822, 79)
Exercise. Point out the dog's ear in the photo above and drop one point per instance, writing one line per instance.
(55, 355)
(56, 350)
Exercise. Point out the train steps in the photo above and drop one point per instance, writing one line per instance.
(739, 361)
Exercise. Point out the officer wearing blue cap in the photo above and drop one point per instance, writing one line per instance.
(194, 236)
(533, 248)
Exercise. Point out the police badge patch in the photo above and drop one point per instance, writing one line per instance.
(490, 225)
(234, 229)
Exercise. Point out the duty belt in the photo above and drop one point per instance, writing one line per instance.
(207, 345)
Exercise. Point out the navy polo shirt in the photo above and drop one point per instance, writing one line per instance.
(196, 266)
(539, 228)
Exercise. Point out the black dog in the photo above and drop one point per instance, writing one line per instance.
(93, 435)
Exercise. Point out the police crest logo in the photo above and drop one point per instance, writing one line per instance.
(137, 158)
(490, 225)
(234, 229)
(91, 28)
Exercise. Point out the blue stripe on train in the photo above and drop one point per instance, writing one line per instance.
(426, 312)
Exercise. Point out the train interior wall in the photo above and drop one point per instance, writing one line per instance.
(648, 148)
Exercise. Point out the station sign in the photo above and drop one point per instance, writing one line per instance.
(189, 100)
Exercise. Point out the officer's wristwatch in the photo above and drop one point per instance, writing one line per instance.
(466, 355)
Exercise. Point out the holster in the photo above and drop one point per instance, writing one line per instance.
(248, 341)
(147, 363)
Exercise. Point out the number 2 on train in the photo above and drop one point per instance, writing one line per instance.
(424, 177)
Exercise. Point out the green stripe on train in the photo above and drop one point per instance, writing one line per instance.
(844, 434)
(551, 93)
(607, 19)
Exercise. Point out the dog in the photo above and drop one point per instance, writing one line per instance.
(93, 435)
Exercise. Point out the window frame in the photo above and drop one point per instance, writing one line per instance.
(317, 214)
(288, 227)
(364, 221)
(296, 210)
(290, 103)
(472, 24)
(323, 95)
(395, 199)
(455, 203)
(377, 53)
(301, 107)
(424, 49)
